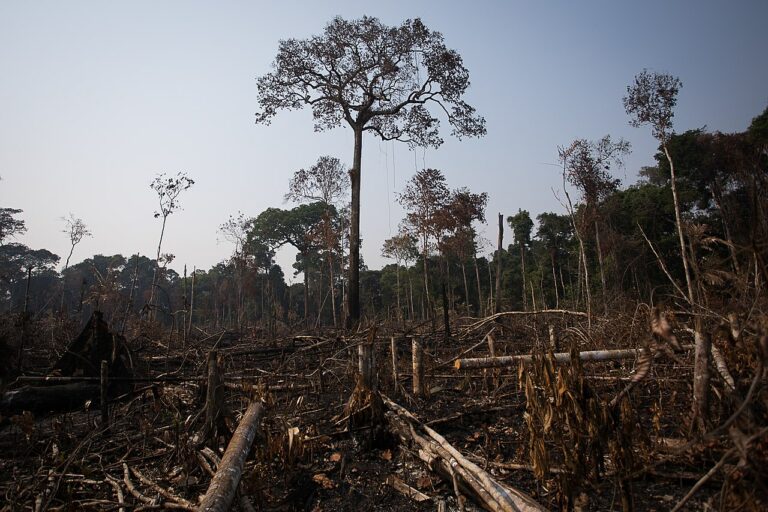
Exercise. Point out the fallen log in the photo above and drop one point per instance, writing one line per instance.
(44, 399)
(560, 357)
(452, 466)
(221, 492)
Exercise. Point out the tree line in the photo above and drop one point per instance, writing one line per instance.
(611, 244)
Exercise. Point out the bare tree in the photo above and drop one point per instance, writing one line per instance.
(651, 100)
(588, 169)
(374, 78)
(522, 225)
(327, 182)
(235, 231)
(401, 248)
(76, 229)
(168, 189)
(425, 198)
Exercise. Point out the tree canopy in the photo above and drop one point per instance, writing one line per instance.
(377, 79)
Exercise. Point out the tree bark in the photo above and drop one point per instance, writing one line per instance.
(466, 287)
(399, 308)
(425, 265)
(446, 316)
(554, 280)
(221, 492)
(479, 288)
(157, 269)
(417, 357)
(599, 251)
(560, 357)
(497, 306)
(353, 294)
(522, 272)
(678, 221)
(305, 258)
(701, 378)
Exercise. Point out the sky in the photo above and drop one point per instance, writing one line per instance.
(98, 97)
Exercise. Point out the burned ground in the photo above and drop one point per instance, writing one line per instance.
(327, 443)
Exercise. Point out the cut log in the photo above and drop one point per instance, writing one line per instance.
(453, 467)
(560, 357)
(417, 357)
(221, 492)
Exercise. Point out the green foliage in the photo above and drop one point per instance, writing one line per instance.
(521, 225)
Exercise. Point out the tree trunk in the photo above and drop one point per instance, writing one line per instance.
(522, 265)
(446, 316)
(678, 222)
(466, 287)
(560, 357)
(410, 286)
(425, 262)
(399, 308)
(221, 491)
(333, 287)
(417, 360)
(599, 250)
(497, 307)
(587, 292)
(479, 288)
(353, 294)
(554, 280)
(157, 270)
(305, 259)
(701, 378)
(491, 306)
(191, 302)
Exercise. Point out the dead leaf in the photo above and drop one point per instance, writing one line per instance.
(324, 481)
(423, 481)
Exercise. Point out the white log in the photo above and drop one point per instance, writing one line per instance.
(221, 492)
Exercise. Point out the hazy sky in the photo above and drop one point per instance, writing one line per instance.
(98, 97)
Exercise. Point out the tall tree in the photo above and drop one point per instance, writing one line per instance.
(401, 248)
(10, 226)
(424, 198)
(235, 231)
(326, 181)
(168, 190)
(554, 231)
(468, 208)
(522, 225)
(588, 169)
(651, 100)
(76, 229)
(374, 78)
(275, 227)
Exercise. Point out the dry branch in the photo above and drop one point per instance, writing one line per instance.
(443, 458)
(224, 484)
(406, 490)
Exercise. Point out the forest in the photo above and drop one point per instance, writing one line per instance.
(607, 356)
